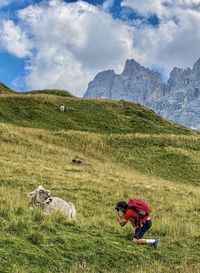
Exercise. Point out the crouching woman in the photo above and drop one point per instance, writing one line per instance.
(140, 224)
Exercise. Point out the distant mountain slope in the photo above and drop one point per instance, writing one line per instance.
(40, 110)
(178, 100)
(5, 89)
(55, 92)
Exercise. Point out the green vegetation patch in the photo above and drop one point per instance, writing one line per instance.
(105, 117)
(56, 92)
(172, 157)
(5, 89)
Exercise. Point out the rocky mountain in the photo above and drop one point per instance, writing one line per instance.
(136, 83)
(178, 99)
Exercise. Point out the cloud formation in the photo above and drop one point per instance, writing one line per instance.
(14, 39)
(172, 42)
(70, 43)
(144, 7)
(66, 44)
(107, 5)
(162, 8)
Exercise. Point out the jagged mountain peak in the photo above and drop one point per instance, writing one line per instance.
(178, 100)
(196, 67)
(177, 71)
(131, 85)
(132, 67)
(105, 73)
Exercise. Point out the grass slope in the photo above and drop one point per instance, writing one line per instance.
(133, 153)
(99, 116)
(127, 133)
(56, 92)
(31, 241)
(5, 89)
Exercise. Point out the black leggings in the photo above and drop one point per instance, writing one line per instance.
(140, 231)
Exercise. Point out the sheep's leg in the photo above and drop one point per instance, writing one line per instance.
(73, 215)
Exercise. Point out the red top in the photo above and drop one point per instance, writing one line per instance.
(133, 217)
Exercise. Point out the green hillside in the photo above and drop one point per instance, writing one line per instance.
(55, 92)
(38, 110)
(5, 89)
(131, 134)
(132, 152)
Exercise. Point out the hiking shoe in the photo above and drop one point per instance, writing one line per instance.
(156, 243)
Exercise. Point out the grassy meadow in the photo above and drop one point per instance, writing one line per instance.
(39, 109)
(158, 162)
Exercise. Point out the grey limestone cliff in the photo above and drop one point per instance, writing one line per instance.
(100, 87)
(178, 100)
(136, 83)
(182, 101)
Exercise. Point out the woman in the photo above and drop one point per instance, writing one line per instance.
(140, 223)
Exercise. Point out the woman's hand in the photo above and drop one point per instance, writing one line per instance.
(121, 221)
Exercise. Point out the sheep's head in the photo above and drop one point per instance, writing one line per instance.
(40, 194)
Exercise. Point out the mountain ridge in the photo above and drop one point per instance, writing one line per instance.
(175, 100)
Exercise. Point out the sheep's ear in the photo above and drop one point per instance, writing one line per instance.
(31, 194)
(49, 192)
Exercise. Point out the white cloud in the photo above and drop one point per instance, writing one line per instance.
(145, 7)
(72, 42)
(175, 41)
(66, 44)
(107, 5)
(162, 8)
(14, 40)
(182, 3)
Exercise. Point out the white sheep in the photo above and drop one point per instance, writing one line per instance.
(55, 204)
(62, 108)
(42, 198)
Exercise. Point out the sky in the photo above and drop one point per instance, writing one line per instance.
(64, 44)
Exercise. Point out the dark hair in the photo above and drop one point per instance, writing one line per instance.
(121, 205)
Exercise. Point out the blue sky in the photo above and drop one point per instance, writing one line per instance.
(64, 44)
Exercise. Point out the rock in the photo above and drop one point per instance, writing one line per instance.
(78, 161)
(101, 86)
(133, 84)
